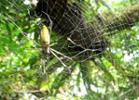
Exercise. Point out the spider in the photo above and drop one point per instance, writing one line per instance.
(46, 48)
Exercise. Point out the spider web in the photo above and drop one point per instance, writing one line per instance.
(84, 39)
(70, 23)
(74, 35)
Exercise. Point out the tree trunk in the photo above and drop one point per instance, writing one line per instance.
(68, 21)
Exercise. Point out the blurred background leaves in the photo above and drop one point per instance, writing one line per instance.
(112, 76)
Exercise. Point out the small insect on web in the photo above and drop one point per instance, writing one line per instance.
(47, 50)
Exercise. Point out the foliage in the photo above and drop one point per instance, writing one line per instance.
(113, 75)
